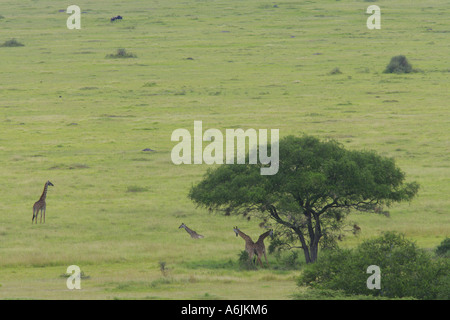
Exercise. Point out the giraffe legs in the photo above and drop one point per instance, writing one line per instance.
(42, 210)
(36, 216)
(258, 259)
(267, 261)
(250, 255)
(257, 255)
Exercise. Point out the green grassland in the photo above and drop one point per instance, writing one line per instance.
(72, 116)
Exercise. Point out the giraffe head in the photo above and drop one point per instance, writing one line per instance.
(49, 183)
(182, 226)
(235, 229)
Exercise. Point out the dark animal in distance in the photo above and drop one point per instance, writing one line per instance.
(116, 18)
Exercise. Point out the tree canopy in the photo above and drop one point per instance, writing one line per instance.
(317, 184)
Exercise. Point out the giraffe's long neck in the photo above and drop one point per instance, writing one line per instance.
(190, 231)
(44, 193)
(263, 236)
(244, 236)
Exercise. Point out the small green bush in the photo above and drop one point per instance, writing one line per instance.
(399, 64)
(335, 71)
(136, 189)
(291, 261)
(82, 275)
(121, 54)
(444, 248)
(327, 294)
(163, 268)
(406, 271)
(287, 260)
(12, 43)
(245, 262)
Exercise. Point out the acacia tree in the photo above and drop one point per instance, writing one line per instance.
(317, 184)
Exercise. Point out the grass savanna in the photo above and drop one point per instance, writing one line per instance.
(72, 116)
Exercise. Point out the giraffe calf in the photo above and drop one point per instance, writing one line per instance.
(192, 233)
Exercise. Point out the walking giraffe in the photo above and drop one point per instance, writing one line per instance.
(253, 248)
(193, 234)
(40, 205)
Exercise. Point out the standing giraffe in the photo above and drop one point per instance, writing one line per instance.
(253, 248)
(193, 234)
(249, 244)
(40, 205)
(260, 248)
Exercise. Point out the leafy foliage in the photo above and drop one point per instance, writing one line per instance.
(444, 248)
(406, 271)
(327, 294)
(244, 261)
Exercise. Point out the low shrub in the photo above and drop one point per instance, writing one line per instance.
(136, 189)
(245, 262)
(12, 43)
(443, 249)
(290, 260)
(406, 271)
(335, 71)
(328, 294)
(121, 54)
(399, 64)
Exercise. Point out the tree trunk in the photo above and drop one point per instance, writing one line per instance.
(306, 251)
(309, 252)
(315, 233)
(314, 247)
(314, 250)
(307, 255)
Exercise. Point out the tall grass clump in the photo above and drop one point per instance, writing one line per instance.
(163, 268)
(121, 54)
(335, 71)
(136, 189)
(12, 43)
